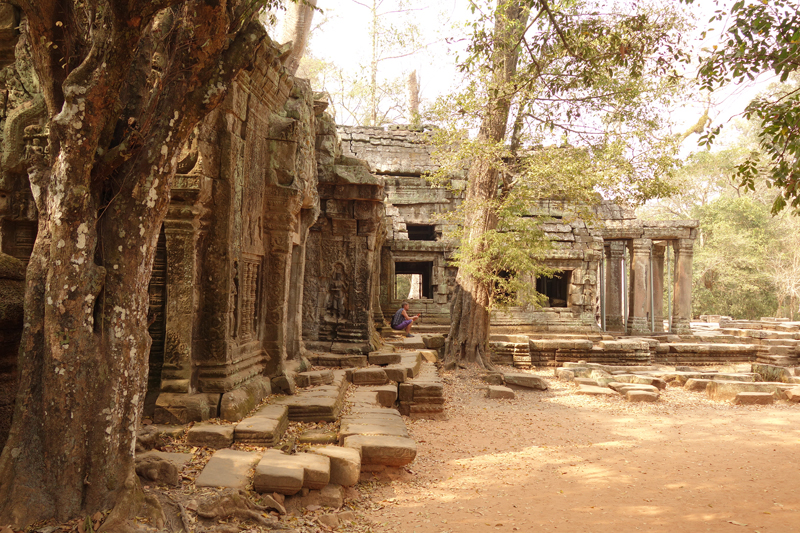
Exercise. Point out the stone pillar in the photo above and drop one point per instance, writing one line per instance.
(182, 286)
(682, 305)
(614, 252)
(639, 309)
(658, 286)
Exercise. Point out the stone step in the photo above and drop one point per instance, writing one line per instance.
(229, 469)
(383, 450)
(312, 378)
(210, 435)
(288, 474)
(318, 404)
(754, 398)
(265, 428)
(339, 360)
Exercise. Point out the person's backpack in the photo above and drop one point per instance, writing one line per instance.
(397, 319)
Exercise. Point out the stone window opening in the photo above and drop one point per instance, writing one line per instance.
(556, 289)
(413, 280)
(421, 232)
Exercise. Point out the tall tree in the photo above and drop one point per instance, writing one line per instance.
(563, 74)
(125, 83)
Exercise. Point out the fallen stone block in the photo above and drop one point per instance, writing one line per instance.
(727, 390)
(565, 374)
(623, 388)
(318, 436)
(641, 396)
(586, 381)
(427, 389)
(260, 430)
(370, 376)
(793, 395)
(396, 373)
(331, 495)
(589, 390)
(210, 435)
(228, 468)
(277, 476)
(365, 397)
(387, 394)
(429, 356)
(498, 392)
(383, 450)
(493, 378)
(345, 464)
(384, 358)
(754, 398)
(697, 385)
(771, 372)
(527, 381)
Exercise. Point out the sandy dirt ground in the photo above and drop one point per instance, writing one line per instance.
(553, 461)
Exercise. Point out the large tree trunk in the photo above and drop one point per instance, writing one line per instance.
(469, 310)
(296, 27)
(101, 201)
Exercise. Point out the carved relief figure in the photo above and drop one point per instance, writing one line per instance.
(336, 301)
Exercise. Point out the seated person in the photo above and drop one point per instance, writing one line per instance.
(402, 322)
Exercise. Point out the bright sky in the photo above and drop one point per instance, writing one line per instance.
(340, 35)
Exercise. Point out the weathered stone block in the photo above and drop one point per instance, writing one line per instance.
(641, 396)
(396, 373)
(527, 381)
(498, 392)
(754, 398)
(210, 435)
(228, 468)
(345, 464)
(588, 390)
(280, 477)
(383, 450)
(370, 376)
(384, 358)
(387, 394)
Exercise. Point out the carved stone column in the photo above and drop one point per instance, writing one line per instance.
(639, 310)
(682, 306)
(658, 286)
(614, 252)
(180, 230)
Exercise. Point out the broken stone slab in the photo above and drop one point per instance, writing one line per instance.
(433, 342)
(345, 464)
(313, 378)
(641, 396)
(387, 394)
(282, 478)
(497, 392)
(429, 356)
(772, 372)
(589, 390)
(332, 495)
(727, 390)
(180, 459)
(316, 469)
(412, 361)
(564, 374)
(370, 376)
(210, 435)
(318, 436)
(371, 427)
(174, 408)
(397, 373)
(383, 450)
(260, 430)
(365, 397)
(427, 389)
(493, 378)
(384, 358)
(527, 381)
(754, 398)
(586, 381)
(697, 385)
(228, 468)
(793, 395)
(624, 388)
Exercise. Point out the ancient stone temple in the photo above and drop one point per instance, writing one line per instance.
(271, 236)
(612, 272)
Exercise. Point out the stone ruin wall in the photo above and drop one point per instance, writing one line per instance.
(271, 240)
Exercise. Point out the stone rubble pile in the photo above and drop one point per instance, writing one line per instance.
(645, 383)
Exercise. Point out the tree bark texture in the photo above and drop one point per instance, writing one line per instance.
(469, 309)
(296, 27)
(124, 87)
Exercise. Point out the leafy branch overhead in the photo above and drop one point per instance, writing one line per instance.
(762, 37)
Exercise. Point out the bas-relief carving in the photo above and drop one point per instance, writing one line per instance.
(336, 302)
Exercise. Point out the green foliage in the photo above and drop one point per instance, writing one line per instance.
(731, 265)
(586, 121)
(762, 37)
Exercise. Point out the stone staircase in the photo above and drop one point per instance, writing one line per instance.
(371, 437)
